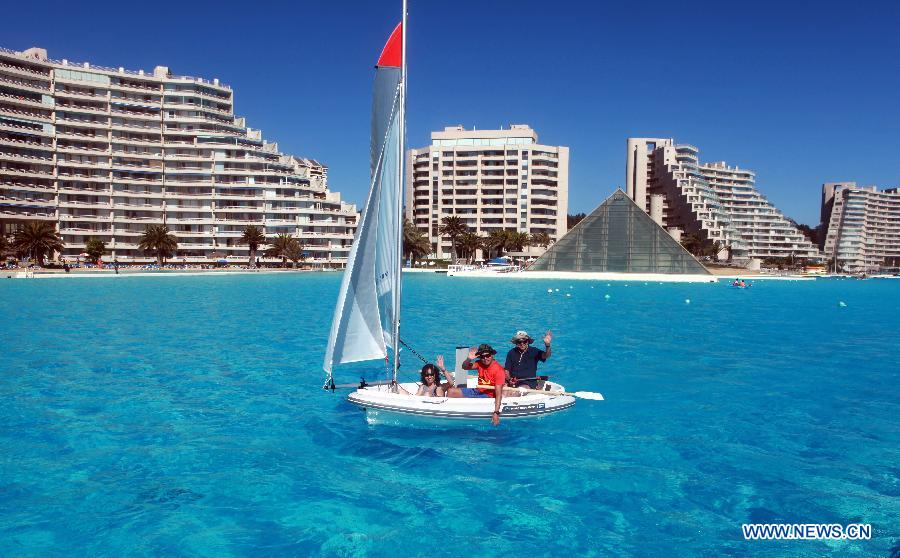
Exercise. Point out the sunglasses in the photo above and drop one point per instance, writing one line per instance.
(429, 375)
(520, 341)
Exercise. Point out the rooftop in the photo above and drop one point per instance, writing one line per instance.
(37, 54)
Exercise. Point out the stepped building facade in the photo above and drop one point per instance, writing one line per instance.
(104, 152)
(492, 180)
(861, 227)
(716, 201)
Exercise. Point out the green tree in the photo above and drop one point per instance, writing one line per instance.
(517, 241)
(711, 248)
(469, 243)
(498, 240)
(541, 239)
(296, 253)
(283, 246)
(453, 227)
(253, 237)
(692, 243)
(94, 248)
(415, 243)
(37, 239)
(572, 220)
(159, 241)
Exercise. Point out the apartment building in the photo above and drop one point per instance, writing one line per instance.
(714, 200)
(105, 152)
(492, 180)
(862, 227)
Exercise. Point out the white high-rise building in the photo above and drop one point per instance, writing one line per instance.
(492, 180)
(861, 227)
(105, 152)
(713, 200)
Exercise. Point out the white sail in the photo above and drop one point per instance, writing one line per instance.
(367, 310)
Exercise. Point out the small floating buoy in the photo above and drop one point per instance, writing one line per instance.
(549, 290)
(557, 290)
(842, 304)
(687, 301)
(607, 284)
(567, 294)
(606, 297)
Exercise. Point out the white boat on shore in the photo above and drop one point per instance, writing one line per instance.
(501, 265)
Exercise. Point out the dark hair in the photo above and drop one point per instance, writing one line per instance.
(430, 368)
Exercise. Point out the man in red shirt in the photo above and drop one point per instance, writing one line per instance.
(491, 377)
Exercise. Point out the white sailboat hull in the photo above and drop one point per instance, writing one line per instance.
(385, 407)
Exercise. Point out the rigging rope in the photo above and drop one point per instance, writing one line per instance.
(413, 351)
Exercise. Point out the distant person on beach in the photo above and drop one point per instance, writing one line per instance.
(522, 360)
(66, 266)
(491, 378)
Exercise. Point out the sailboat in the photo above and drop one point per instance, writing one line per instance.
(366, 323)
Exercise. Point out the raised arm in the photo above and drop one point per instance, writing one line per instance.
(440, 364)
(467, 364)
(548, 337)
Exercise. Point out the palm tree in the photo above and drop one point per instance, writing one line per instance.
(253, 237)
(469, 243)
(541, 239)
(453, 227)
(94, 248)
(37, 239)
(712, 248)
(518, 241)
(283, 246)
(157, 238)
(296, 253)
(497, 239)
(692, 243)
(415, 244)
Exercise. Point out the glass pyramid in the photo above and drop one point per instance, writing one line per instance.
(618, 237)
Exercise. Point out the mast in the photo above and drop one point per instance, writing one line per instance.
(401, 184)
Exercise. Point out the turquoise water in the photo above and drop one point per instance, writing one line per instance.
(184, 416)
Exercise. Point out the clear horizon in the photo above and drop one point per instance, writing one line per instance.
(800, 96)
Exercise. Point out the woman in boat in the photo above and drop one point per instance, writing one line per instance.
(429, 376)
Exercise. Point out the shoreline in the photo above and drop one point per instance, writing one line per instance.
(103, 273)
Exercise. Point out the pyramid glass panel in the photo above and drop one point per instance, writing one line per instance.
(618, 237)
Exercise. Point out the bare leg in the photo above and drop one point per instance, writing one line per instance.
(453, 392)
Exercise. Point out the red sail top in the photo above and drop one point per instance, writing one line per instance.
(392, 55)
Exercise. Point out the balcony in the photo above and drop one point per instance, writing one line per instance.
(25, 173)
(84, 204)
(25, 84)
(27, 201)
(84, 217)
(31, 129)
(25, 114)
(63, 91)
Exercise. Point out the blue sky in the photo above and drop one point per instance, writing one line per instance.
(802, 94)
